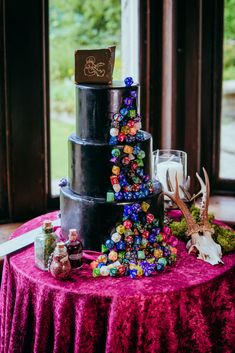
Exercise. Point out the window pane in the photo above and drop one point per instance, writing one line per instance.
(227, 144)
(75, 24)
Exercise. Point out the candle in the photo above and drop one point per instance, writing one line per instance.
(174, 168)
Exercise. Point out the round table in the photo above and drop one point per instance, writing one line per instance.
(188, 308)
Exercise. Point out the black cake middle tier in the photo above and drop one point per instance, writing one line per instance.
(95, 218)
(90, 167)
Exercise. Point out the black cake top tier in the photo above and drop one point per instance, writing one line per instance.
(95, 106)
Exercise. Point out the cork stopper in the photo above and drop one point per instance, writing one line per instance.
(47, 224)
(73, 234)
(60, 245)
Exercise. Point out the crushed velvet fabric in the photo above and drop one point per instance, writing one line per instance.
(188, 308)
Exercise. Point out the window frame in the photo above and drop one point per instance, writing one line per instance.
(24, 111)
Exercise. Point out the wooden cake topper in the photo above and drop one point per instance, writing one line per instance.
(94, 66)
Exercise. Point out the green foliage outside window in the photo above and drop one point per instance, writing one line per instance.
(229, 40)
(77, 24)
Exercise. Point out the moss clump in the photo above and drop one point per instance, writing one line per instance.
(223, 236)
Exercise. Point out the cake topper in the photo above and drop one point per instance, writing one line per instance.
(94, 66)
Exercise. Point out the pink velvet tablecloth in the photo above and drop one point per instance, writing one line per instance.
(189, 308)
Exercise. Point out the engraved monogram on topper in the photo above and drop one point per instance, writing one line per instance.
(92, 68)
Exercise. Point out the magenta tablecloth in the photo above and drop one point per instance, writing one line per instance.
(189, 308)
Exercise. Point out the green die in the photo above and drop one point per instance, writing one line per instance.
(132, 113)
(140, 162)
(104, 248)
(121, 255)
(113, 272)
(96, 272)
(136, 180)
(141, 155)
(110, 196)
(141, 255)
(162, 261)
(156, 222)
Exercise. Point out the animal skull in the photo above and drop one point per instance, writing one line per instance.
(201, 240)
(207, 249)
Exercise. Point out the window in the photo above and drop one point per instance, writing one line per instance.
(227, 134)
(75, 24)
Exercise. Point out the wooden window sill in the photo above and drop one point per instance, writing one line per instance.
(223, 208)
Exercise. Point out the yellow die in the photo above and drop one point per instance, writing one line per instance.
(128, 149)
(116, 170)
(120, 229)
(145, 206)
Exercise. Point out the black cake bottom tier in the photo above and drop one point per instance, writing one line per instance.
(95, 218)
(90, 167)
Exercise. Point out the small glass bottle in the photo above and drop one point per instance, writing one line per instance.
(74, 248)
(44, 245)
(60, 266)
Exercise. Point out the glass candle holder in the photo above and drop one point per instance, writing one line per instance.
(173, 161)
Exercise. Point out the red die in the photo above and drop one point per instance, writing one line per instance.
(145, 234)
(129, 239)
(114, 179)
(125, 160)
(131, 123)
(121, 137)
(127, 224)
(127, 188)
(150, 218)
(121, 270)
(134, 165)
(135, 187)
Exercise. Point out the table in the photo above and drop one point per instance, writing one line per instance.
(189, 308)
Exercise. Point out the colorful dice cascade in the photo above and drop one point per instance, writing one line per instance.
(136, 247)
(128, 179)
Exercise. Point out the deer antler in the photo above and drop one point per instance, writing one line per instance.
(205, 190)
(192, 226)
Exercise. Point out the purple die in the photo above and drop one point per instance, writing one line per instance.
(118, 196)
(120, 245)
(63, 182)
(146, 178)
(134, 217)
(109, 243)
(152, 238)
(128, 195)
(166, 252)
(101, 264)
(128, 101)
(137, 240)
(134, 196)
(133, 273)
(122, 180)
(146, 192)
(113, 140)
(128, 81)
(139, 136)
(114, 160)
(134, 94)
(124, 111)
(136, 149)
(140, 172)
(127, 210)
(130, 138)
(136, 207)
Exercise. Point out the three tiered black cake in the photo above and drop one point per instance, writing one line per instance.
(110, 163)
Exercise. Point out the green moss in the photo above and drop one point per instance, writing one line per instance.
(225, 237)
